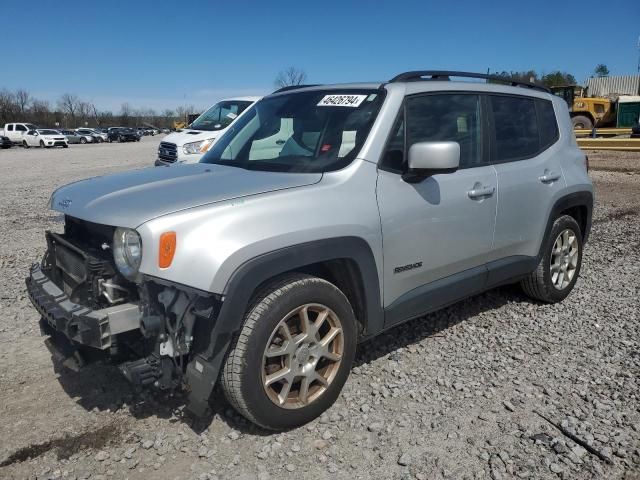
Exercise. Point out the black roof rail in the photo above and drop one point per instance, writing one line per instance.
(445, 75)
(293, 87)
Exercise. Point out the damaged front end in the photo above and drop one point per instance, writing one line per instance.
(90, 310)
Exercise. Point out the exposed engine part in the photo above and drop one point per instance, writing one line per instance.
(151, 326)
(152, 370)
(113, 292)
(179, 321)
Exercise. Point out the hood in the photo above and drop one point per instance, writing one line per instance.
(188, 135)
(132, 198)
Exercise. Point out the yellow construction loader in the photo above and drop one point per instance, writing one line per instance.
(586, 112)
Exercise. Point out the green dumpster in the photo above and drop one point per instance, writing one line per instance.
(628, 114)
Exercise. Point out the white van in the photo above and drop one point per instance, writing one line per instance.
(190, 144)
(16, 131)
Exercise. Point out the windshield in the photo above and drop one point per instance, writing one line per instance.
(48, 132)
(220, 115)
(315, 131)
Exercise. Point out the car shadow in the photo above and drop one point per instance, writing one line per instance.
(101, 387)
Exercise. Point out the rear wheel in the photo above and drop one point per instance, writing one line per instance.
(83, 140)
(110, 140)
(293, 354)
(560, 263)
(581, 122)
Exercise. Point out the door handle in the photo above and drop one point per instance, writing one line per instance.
(480, 192)
(280, 142)
(549, 177)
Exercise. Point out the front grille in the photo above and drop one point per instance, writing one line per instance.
(168, 152)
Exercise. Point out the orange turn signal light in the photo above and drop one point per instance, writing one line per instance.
(167, 249)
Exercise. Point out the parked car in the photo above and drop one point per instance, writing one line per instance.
(16, 131)
(190, 144)
(123, 134)
(44, 138)
(96, 136)
(5, 142)
(231, 268)
(73, 137)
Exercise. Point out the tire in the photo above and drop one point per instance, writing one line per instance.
(65, 146)
(41, 144)
(541, 283)
(110, 140)
(581, 122)
(120, 139)
(244, 377)
(83, 140)
(25, 144)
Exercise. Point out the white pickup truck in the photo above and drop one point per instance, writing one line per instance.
(16, 131)
(190, 144)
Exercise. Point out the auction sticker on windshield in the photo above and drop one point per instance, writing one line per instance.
(342, 100)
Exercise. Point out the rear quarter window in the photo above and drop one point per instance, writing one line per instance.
(547, 123)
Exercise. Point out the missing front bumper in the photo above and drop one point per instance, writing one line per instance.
(82, 325)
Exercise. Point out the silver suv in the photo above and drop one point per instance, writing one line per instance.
(326, 215)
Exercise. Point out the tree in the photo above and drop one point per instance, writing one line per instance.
(125, 113)
(68, 104)
(22, 99)
(558, 78)
(601, 70)
(292, 76)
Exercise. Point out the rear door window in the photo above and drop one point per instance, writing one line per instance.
(516, 128)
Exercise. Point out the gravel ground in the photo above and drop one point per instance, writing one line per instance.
(453, 395)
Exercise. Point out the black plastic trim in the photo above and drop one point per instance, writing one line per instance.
(435, 295)
(576, 199)
(202, 371)
(446, 291)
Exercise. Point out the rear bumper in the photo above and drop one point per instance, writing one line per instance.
(82, 325)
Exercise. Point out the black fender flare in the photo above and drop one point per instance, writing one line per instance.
(575, 199)
(203, 369)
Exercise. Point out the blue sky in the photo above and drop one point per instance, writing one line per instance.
(164, 54)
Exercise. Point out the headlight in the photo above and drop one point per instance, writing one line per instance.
(197, 147)
(127, 252)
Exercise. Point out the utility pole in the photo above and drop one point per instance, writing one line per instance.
(638, 53)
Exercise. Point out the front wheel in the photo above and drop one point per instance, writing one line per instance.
(25, 144)
(559, 265)
(293, 354)
(83, 140)
(110, 140)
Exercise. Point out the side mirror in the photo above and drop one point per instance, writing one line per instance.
(430, 158)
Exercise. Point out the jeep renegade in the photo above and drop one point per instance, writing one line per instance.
(324, 216)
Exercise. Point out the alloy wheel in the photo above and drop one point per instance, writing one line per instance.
(564, 259)
(303, 356)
